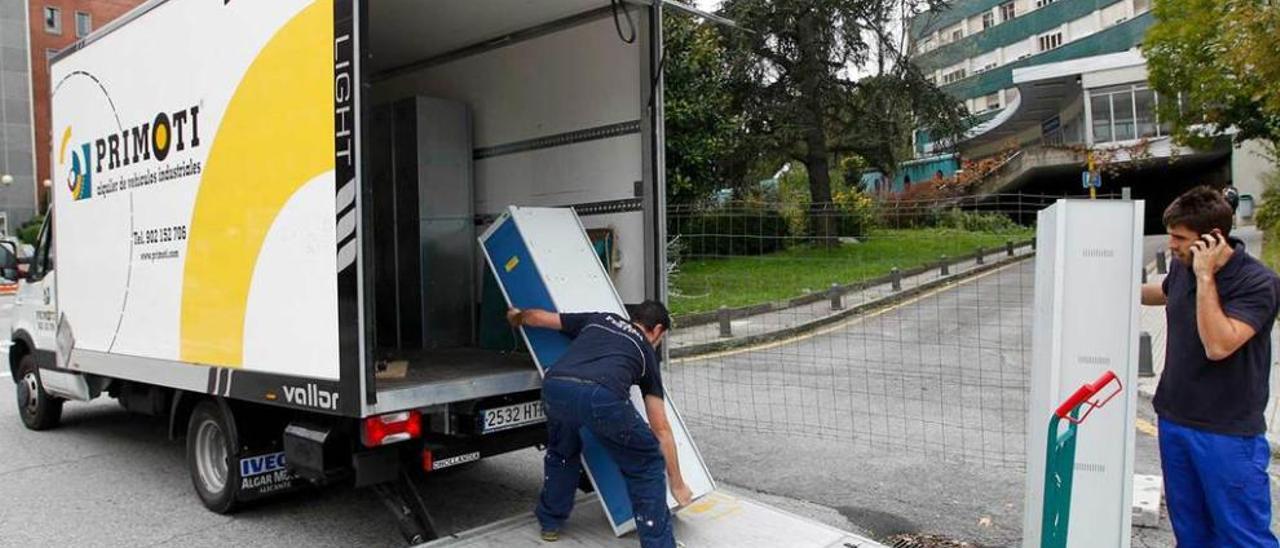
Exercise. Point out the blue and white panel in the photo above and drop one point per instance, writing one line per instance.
(543, 259)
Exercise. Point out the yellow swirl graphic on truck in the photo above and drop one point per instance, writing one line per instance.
(276, 134)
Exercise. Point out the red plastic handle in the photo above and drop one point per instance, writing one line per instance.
(1085, 394)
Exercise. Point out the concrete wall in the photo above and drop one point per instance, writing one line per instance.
(17, 159)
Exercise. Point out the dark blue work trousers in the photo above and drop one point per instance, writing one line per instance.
(572, 405)
(1218, 492)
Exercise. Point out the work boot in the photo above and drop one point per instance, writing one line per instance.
(549, 535)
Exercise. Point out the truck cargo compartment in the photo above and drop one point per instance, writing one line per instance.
(544, 104)
(459, 374)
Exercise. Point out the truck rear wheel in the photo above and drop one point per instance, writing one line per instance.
(38, 409)
(211, 459)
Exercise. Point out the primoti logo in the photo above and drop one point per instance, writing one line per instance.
(311, 396)
(152, 140)
(79, 177)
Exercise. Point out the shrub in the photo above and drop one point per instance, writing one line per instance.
(29, 232)
(1267, 215)
(975, 221)
(738, 230)
(856, 212)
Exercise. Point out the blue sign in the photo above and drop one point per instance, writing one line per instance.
(261, 464)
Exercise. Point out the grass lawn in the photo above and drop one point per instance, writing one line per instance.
(1271, 250)
(707, 283)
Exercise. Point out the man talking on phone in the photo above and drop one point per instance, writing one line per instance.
(1220, 304)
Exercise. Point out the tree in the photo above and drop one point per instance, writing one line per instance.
(701, 130)
(1223, 57)
(795, 82)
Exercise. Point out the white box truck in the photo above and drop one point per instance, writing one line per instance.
(264, 219)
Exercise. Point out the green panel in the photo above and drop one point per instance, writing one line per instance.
(495, 332)
(1115, 39)
(959, 10)
(1020, 28)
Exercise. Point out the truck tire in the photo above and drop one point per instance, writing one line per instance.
(211, 457)
(38, 409)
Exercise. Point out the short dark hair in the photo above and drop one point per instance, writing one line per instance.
(1200, 209)
(650, 314)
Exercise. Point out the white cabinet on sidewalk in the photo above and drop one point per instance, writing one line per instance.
(1087, 294)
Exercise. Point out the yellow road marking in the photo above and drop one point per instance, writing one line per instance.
(1146, 427)
(844, 323)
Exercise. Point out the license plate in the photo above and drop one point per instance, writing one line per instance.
(511, 416)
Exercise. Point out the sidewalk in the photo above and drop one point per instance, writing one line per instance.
(1152, 321)
(699, 334)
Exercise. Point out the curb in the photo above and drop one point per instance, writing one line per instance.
(695, 350)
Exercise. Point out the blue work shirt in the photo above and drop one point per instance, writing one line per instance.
(1227, 396)
(608, 350)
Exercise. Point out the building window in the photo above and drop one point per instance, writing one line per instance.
(52, 20)
(957, 34)
(1144, 102)
(953, 76)
(1007, 11)
(1122, 119)
(1125, 113)
(1043, 3)
(988, 102)
(988, 20)
(84, 24)
(1100, 109)
(926, 45)
(1050, 41)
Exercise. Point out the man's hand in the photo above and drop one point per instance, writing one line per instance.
(656, 409)
(514, 317)
(683, 494)
(1210, 253)
(534, 317)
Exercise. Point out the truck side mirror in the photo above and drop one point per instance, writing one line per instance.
(9, 261)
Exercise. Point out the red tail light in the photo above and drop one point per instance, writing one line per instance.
(391, 428)
(428, 460)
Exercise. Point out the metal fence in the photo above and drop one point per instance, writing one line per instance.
(886, 326)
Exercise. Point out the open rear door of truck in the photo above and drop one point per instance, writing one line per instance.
(720, 519)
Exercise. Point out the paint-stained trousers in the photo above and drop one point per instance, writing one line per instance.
(573, 405)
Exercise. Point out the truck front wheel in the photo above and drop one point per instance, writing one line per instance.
(38, 409)
(211, 457)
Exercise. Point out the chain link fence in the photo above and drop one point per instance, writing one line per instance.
(885, 325)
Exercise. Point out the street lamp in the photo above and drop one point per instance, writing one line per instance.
(6, 179)
(47, 184)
